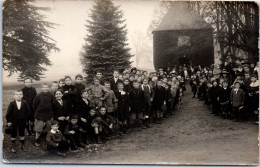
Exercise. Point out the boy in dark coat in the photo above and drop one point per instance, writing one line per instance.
(123, 106)
(55, 140)
(43, 106)
(115, 80)
(79, 86)
(73, 133)
(193, 85)
(17, 114)
(148, 98)
(61, 110)
(29, 93)
(107, 123)
(136, 103)
(83, 109)
(214, 97)
(237, 100)
(70, 92)
(158, 101)
(224, 99)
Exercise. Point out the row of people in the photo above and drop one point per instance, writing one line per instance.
(236, 98)
(82, 112)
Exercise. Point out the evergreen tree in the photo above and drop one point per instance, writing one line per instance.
(105, 48)
(26, 43)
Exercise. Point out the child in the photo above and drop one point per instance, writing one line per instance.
(54, 86)
(70, 92)
(99, 75)
(78, 85)
(136, 96)
(254, 97)
(115, 80)
(93, 125)
(99, 92)
(106, 125)
(174, 96)
(214, 97)
(73, 133)
(167, 99)
(193, 88)
(43, 106)
(224, 99)
(56, 142)
(17, 114)
(158, 101)
(127, 86)
(207, 97)
(148, 98)
(29, 93)
(237, 100)
(123, 106)
(61, 83)
(110, 100)
(83, 109)
(61, 110)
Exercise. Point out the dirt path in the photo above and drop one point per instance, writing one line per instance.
(191, 136)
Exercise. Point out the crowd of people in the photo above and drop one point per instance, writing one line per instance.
(68, 115)
(233, 93)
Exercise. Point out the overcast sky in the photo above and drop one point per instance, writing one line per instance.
(71, 16)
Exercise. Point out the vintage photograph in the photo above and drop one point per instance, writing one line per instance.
(145, 82)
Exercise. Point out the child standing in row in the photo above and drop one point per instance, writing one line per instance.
(17, 115)
(29, 93)
(43, 106)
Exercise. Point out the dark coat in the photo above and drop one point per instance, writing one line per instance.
(79, 88)
(61, 110)
(43, 106)
(29, 95)
(71, 96)
(136, 100)
(13, 113)
(159, 97)
(83, 108)
(237, 99)
(123, 106)
(52, 139)
(224, 95)
(214, 93)
(114, 84)
(148, 94)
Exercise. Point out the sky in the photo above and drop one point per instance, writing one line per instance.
(71, 16)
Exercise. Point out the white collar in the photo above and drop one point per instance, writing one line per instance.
(52, 131)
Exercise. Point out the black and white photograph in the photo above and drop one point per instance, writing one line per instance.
(132, 82)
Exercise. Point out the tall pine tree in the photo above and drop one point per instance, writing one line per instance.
(106, 47)
(26, 43)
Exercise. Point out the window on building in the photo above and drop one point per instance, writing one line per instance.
(184, 41)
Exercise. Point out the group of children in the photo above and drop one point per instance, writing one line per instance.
(66, 116)
(232, 94)
(69, 116)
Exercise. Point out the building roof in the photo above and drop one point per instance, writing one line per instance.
(181, 17)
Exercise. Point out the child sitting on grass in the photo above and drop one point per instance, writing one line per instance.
(56, 142)
(17, 114)
(73, 133)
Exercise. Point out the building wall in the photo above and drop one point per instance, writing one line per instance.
(167, 49)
